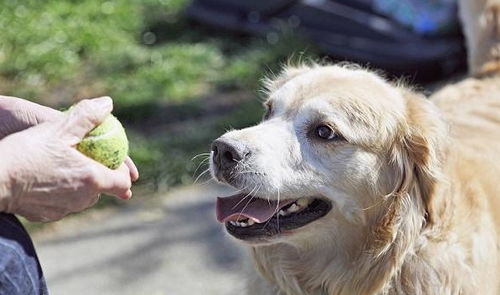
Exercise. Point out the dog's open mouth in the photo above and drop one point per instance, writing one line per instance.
(248, 217)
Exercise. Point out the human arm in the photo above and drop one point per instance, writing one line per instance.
(17, 114)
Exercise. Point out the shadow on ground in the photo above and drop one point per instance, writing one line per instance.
(172, 245)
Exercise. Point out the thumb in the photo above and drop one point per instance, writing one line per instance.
(85, 116)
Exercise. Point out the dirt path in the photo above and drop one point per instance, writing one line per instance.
(167, 245)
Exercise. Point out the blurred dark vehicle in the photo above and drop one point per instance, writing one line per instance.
(349, 30)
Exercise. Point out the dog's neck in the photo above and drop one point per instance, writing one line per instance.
(399, 263)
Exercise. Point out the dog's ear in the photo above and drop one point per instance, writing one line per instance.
(418, 152)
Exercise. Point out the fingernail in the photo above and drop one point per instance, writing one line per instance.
(104, 102)
(135, 177)
(128, 195)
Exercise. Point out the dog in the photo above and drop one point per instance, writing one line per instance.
(355, 185)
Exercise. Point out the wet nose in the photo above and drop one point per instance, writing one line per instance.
(227, 153)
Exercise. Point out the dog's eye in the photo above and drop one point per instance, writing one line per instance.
(269, 110)
(325, 132)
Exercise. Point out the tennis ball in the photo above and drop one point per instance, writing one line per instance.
(107, 143)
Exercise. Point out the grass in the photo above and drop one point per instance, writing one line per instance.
(164, 72)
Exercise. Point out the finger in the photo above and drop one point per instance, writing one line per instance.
(27, 112)
(84, 117)
(134, 173)
(36, 114)
(113, 182)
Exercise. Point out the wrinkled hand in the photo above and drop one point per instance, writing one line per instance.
(18, 114)
(48, 177)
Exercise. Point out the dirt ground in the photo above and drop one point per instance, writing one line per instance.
(170, 244)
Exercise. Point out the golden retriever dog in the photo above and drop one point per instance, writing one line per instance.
(355, 185)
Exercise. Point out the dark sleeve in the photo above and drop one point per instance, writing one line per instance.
(20, 271)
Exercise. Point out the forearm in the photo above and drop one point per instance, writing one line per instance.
(8, 123)
(5, 180)
(10, 103)
(6, 100)
(17, 114)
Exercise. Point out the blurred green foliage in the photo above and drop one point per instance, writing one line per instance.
(156, 64)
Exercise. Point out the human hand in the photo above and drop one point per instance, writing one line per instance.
(17, 114)
(48, 178)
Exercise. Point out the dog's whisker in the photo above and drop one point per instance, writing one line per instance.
(207, 155)
(199, 176)
(250, 193)
(249, 201)
(208, 181)
(199, 165)
(243, 210)
(276, 210)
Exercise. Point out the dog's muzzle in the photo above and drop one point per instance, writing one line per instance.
(226, 155)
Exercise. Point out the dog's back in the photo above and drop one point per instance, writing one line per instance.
(472, 107)
(472, 110)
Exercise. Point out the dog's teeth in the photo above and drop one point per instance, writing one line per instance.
(293, 208)
(246, 222)
(302, 202)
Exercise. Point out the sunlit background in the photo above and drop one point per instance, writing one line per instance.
(166, 74)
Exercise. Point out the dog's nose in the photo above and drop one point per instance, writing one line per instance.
(227, 153)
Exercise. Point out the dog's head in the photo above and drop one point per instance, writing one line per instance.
(335, 143)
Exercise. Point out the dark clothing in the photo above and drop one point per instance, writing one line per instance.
(20, 271)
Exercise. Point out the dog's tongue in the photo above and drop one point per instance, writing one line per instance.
(242, 206)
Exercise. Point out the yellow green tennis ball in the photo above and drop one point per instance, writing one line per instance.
(106, 143)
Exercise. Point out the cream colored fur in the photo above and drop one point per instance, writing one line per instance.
(420, 219)
(481, 25)
(415, 187)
